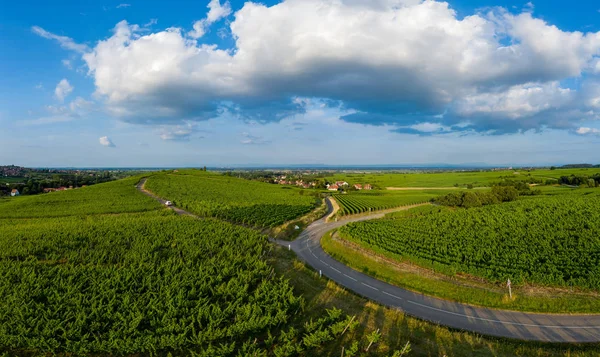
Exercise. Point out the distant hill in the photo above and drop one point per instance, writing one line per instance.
(578, 166)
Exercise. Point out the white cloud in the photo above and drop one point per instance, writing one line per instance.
(384, 59)
(67, 63)
(62, 90)
(39, 86)
(64, 41)
(253, 140)
(517, 101)
(77, 109)
(151, 22)
(587, 131)
(120, 6)
(105, 141)
(215, 13)
(177, 132)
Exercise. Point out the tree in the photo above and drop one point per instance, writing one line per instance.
(470, 200)
(505, 193)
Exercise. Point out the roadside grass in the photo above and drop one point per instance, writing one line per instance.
(426, 339)
(465, 289)
(288, 231)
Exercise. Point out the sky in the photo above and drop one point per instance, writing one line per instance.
(337, 82)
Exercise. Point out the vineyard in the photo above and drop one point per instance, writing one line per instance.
(550, 241)
(83, 278)
(236, 200)
(112, 197)
(360, 202)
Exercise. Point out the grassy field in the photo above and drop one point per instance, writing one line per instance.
(426, 339)
(237, 200)
(450, 179)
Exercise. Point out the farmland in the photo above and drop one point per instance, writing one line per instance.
(458, 179)
(360, 202)
(127, 276)
(113, 197)
(551, 241)
(241, 201)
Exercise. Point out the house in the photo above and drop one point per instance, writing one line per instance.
(358, 186)
(367, 187)
(47, 190)
(14, 192)
(341, 183)
(333, 187)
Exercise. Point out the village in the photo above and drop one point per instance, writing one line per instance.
(336, 186)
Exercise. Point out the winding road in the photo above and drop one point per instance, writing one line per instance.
(510, 324)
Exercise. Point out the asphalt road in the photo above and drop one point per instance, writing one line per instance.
(510, 324)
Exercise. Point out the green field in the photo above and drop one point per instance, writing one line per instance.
(550, 241)
(112, 197)
(367, 201)
(109, 271)
(450, 179)
(236, 200)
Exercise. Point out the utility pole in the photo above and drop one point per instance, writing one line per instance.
(509, 289)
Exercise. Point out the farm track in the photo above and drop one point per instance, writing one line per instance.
(560, 328)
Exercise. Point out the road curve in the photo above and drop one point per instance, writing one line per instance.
(510, 324)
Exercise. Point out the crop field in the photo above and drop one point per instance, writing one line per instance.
(359, 202)
(552, 241)
(237, 200)
(83, 279)
(450, 179)
(112, 197)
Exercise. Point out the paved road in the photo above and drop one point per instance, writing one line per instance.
(518, 325)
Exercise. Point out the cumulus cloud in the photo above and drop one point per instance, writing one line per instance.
(106, 142)
(216, 12)
(64, 41)
(388, 62)
(120, 6)
(62, 90)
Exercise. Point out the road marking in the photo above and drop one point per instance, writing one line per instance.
(372, 287)
(349, 277)
(336, 270)
(392, 295)
(503, 322)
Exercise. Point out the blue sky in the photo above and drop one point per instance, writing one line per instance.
(150, 83)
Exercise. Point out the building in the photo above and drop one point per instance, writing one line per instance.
(333, 187)
(367, 187)
(358, 186)
(341, 183)
(14, 192)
